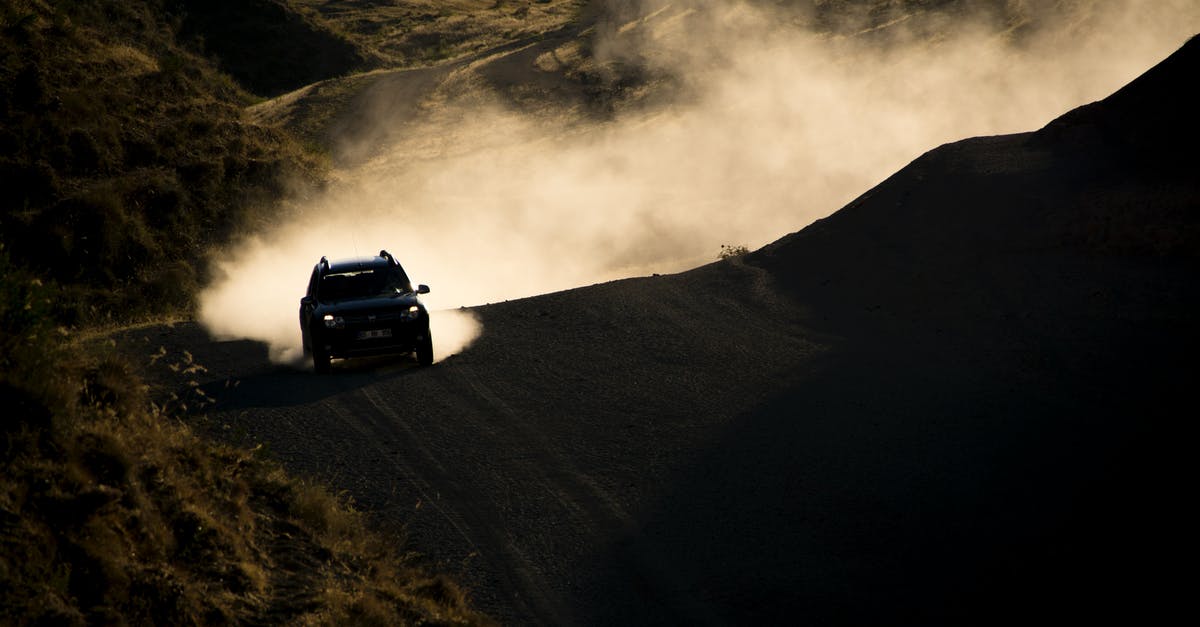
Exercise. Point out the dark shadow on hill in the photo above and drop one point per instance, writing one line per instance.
(269, 47)
(914, 482)
(192, 374)
(285, 386)
(1001, 435)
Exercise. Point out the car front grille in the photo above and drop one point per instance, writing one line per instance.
(379, 318)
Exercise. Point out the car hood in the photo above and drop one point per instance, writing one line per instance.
(399, 302)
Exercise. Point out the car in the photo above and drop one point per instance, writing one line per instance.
(360, 307)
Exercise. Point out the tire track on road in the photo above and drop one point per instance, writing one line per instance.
(589, 507)
(468, 513)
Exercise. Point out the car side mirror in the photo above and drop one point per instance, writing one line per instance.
(422, 289)
(307, 300)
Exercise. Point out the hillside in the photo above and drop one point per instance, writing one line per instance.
(126, 157)
(541, 58)
(125, 160)
(267, 46)
(1020, 313)
(954, 401)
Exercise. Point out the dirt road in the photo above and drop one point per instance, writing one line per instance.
(527, 464)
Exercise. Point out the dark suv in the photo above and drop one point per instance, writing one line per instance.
(363, 306)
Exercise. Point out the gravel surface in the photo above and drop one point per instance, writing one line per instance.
(524, 465)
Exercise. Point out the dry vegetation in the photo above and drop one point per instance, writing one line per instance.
(418, 32)
(118, 514)
(111, 511)
(126, 159)
(126, 156)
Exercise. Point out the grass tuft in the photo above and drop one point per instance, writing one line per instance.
(729, 251)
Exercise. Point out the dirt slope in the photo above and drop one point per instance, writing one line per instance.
(955, 401)
(525, 469)
(1022, 313)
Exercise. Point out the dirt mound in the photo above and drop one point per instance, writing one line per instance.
(1152, 122)
(1112, 178)
(1012, 320)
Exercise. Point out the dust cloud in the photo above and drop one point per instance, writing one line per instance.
(750, 123)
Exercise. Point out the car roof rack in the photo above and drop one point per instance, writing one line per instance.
(386, 255)
(324, 262)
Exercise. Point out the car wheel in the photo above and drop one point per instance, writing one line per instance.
(320, 361)
(425, 350)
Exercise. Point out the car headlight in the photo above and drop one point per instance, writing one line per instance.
(334, 322)
(413, 313)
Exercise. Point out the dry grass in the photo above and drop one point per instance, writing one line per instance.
(127, 156)
(113, 512)
(420, 32)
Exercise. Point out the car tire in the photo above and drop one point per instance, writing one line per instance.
(425, 351)
(320, 361)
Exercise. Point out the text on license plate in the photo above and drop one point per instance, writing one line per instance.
(374, 333)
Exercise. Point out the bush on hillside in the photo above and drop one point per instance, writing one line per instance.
(126, 157)
(729, 251)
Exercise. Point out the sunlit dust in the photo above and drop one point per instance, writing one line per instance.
(453, 331)
(773, 126)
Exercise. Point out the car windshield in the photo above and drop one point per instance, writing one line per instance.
(364, 284)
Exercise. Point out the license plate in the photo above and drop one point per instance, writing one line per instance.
(374, 334)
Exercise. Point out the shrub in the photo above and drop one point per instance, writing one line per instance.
(729, 251)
